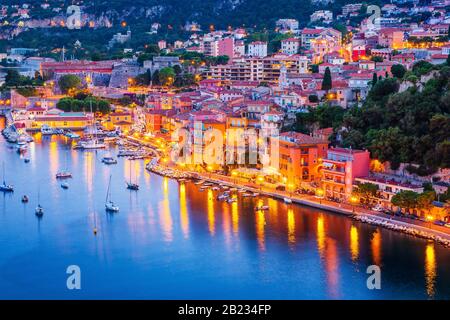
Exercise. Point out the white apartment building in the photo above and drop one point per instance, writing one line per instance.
(257, 49)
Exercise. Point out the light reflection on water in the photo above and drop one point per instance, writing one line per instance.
(170, 240)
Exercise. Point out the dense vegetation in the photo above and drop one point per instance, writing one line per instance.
(412, 126)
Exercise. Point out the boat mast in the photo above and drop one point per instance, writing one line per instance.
(108, 192)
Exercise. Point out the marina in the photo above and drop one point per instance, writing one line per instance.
(165, 228)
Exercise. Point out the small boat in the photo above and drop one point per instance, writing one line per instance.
(261, 208)
(4, 186)
(287, 200)
(109, 204)
(72, 135)
(26, 160)
(242, 190)
(255, 194)
(215, 188)
(132, 186)
(247, 195)
(24, 199)
(22, 149)
(223, 196)
(63, 175)
(109, 160)
(65, 185)
(200, 182)
(230, 200)
(39, 211)
(46, 130)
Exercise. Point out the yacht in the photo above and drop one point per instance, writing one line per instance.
(4, 186)
(130, 184)
(109, 204)
(91, 144)
(64, 173)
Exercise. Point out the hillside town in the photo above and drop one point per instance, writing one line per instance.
(234, 81)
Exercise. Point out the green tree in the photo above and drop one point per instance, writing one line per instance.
(406, 200)
(68, 82)
(166, 76)
(398, 71)
(327, 82)
(374, 78)
(366, 191)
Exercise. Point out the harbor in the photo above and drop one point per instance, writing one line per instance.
(163, 230)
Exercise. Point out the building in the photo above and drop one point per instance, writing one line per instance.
(287, 25)
(63, 120)
(339, 170)
(325, 16)
(257, 49)
(290, 46)
(299, 158)
(388, 188)
(391, 38)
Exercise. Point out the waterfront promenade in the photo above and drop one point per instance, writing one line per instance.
(420, 228)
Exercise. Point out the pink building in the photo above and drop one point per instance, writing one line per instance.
(340, 168)
(225, 47)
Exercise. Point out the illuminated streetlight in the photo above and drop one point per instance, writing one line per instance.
(353, 201)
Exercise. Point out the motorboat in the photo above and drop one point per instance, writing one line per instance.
(109, 160)
(72, 135)
(46, 130)
(65, 185)
(262, 208)
(24, 199)
(26, 160)
(287, 200)
(230, 200)
(63, 175)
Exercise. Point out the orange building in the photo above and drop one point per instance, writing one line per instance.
(299, 158)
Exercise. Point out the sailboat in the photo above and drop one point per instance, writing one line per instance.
(5, 187)
(130, 184)
(39, 211)
(93, 142)
(109, 204)
(65, 173)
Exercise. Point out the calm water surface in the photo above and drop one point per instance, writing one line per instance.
(171, 241)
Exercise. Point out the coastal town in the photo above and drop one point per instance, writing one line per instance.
(294, 91)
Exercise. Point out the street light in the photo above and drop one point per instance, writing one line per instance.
(429, 219)
(319, 194)
(353, 201)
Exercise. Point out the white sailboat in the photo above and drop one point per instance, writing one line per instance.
(4, 186)
(109, 204)
(39, 211)
(92, 143)
(64, 173)
(130, 184)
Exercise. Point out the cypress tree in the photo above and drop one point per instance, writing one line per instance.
(327, 82)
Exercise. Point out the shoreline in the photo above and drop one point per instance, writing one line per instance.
(364, 217)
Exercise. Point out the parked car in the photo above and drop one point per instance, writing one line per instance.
(447, 225)
(378, 208)
(439, 222)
